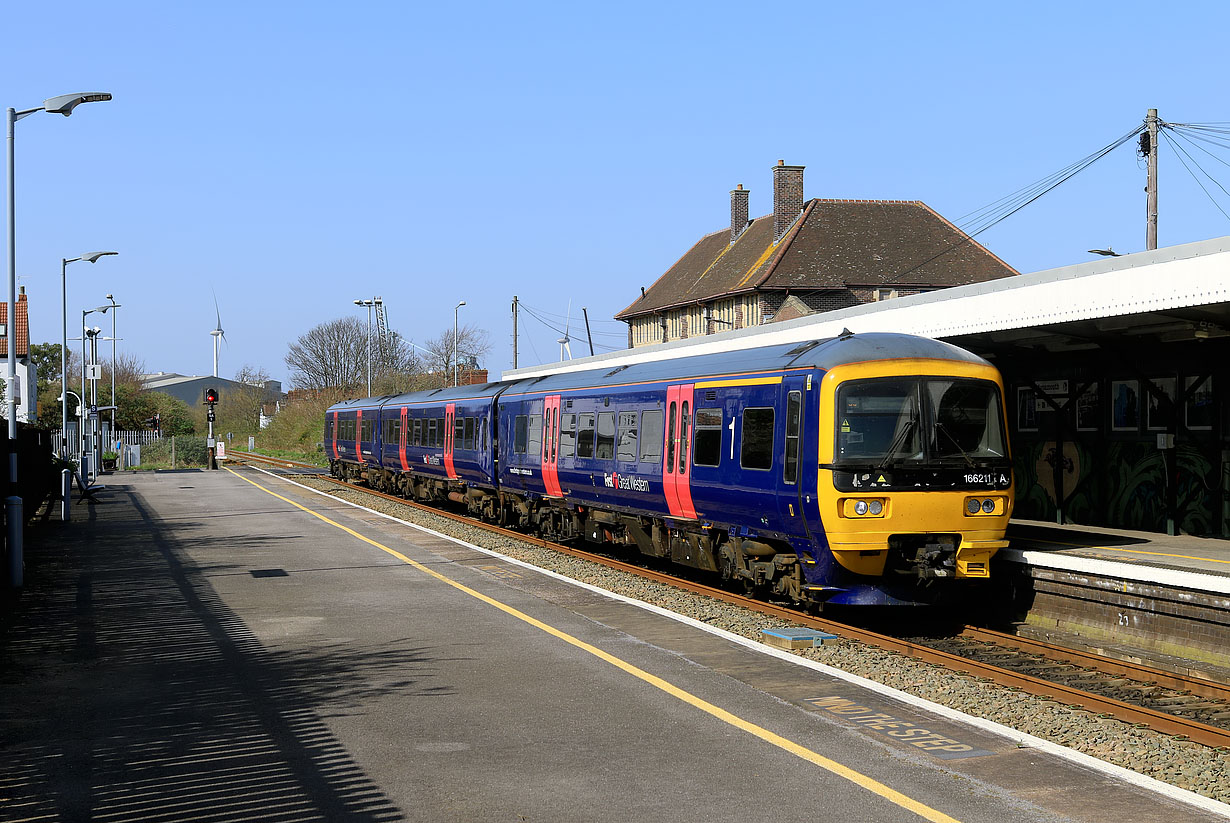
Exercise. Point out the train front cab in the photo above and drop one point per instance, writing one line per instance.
(915, 483)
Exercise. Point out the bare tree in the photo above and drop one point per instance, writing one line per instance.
(472, 344)
(333, 355)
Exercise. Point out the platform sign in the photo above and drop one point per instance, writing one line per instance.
(221, 453)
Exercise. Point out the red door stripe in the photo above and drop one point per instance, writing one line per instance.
(401, 444)
(450, 412)
(550, 446)
(683, 460)
(358, 438)
(669, 439)
(335, 455)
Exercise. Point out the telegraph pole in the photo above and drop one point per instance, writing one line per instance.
(585, 314)
(514, 311)
(1151, 186)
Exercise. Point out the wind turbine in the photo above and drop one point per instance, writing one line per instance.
(217, 333)
(565, 342)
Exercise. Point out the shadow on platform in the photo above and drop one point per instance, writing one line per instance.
(130, 692)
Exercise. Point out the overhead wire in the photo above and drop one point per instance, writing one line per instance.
(1181, 152)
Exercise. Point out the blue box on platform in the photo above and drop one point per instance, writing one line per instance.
(796, 638)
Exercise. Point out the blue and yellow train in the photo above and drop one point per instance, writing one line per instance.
(867, 469)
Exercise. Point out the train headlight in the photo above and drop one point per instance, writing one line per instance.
(868, 507)
(981, 506)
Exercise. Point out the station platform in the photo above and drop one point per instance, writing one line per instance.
(227, 646)
(1135, 595)
(1198, 563)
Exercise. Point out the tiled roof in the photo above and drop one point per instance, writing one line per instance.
(835, 244)
(23, 327)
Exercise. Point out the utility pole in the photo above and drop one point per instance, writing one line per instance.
(514, 311)
(590, 337)
(1151, 187)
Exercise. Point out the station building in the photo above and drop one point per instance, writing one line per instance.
(1116, 372)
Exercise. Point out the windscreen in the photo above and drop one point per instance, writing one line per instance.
(913, 419)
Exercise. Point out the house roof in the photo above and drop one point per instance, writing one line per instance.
(23, 326)
(835, 244)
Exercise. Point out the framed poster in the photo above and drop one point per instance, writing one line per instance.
(1161, 415)
(1198, 410)
(1124, 405)
(1087, 410)
(1026, 409)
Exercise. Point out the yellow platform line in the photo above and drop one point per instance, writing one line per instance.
(1044, 543)
(829, 765)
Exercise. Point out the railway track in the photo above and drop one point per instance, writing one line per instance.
(1184, 707)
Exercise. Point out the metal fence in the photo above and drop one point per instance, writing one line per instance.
(128, 438)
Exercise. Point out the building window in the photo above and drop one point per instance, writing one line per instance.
(885, 294)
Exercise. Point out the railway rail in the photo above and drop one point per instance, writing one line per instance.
(1134, 693)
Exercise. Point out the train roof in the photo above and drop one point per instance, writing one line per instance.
(814, 354)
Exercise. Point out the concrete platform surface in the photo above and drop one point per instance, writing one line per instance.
(1151, 555)
(194, 647)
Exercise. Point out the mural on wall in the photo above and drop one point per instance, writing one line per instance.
(1124, 486)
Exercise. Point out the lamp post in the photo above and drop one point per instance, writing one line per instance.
(375, 301)
(64, 104)
(114, 409)
(88, 335)
(92, 257)
(455, 310)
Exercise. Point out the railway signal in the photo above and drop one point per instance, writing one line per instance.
(211, 399)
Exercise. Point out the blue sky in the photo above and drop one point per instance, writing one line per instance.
(295, 157)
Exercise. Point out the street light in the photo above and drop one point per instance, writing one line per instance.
(88, 335)
(455, 310)
(375, 301)
(114, 409)
(64, 104)
(92, 257)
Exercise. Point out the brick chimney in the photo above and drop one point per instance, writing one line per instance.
(787, 197)
(738, 211)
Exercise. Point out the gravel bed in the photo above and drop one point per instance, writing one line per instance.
(1188, 765)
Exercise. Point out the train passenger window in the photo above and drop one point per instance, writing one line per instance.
(431, 432)
(519, 433)
(651, 436)
(794, 415)
(459, 432)
(605, 449)
(418, 432)
(534, 443)
(468, 443)
(367, 432)
(484, 446)
(567, 435)
(707, 441)
(625, 447)
(585, 435)
(685, 421)
(670, 440)
(757, 449)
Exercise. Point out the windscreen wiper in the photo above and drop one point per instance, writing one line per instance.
(900, 439)
(940, 427)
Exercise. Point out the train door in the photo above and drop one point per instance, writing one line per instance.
(677, 457)
(402, 437)
(335, 454)
(358, 438)
(550, 446)
(797, 481)
(450, 415)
